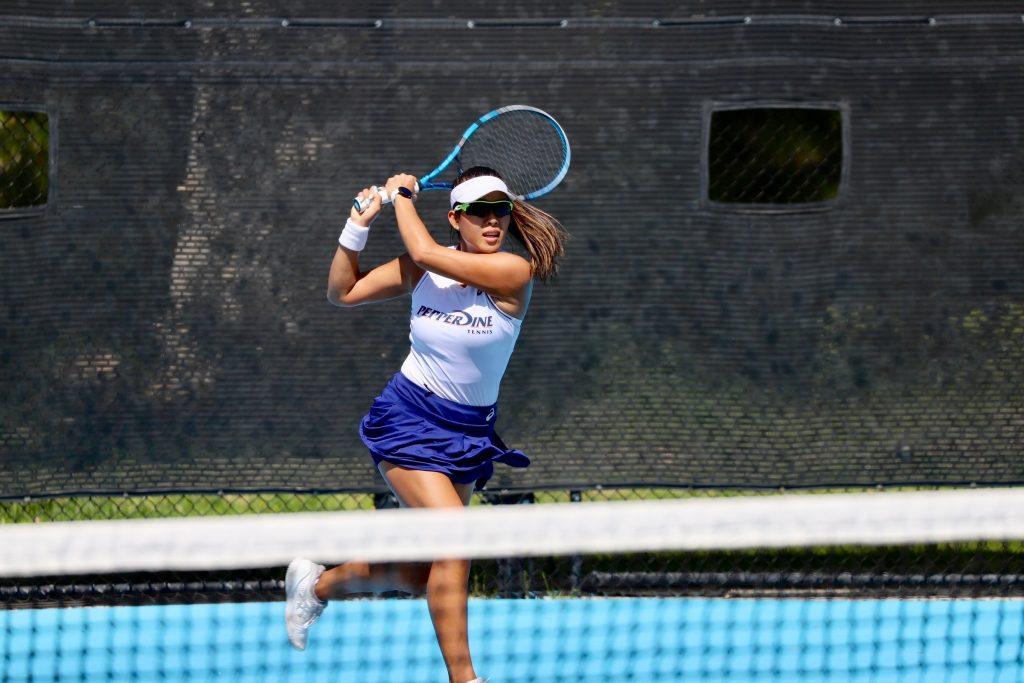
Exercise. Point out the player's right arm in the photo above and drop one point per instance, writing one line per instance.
(347, 286)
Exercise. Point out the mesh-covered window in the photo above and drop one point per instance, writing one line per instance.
(775, 155)
(24, 158)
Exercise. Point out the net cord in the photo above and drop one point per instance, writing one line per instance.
(211, 543)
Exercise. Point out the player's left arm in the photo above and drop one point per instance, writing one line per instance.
(502, 274)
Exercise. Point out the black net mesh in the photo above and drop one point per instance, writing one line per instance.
(795, 263)
(164, 320)
(782, 609)
(961, 570)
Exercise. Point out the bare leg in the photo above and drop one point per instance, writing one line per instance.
(447, 598)
(445, 581)
(363, 577)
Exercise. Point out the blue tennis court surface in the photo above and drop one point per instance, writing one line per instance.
(600, 639)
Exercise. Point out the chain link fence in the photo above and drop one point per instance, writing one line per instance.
(770, 285)
(24, 159)
(781, 155)
(819, 284)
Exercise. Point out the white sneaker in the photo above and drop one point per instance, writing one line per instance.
(302, 608)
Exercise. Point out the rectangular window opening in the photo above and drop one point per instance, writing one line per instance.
(24, 159)
(774, 156)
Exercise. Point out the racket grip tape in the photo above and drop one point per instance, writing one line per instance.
(361, 204)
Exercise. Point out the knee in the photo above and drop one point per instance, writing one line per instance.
(449, 571)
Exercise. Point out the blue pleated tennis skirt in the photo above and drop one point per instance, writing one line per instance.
(412, 427)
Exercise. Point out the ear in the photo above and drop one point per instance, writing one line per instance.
(453, 221)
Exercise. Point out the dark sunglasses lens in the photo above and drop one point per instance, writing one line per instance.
(484, 209)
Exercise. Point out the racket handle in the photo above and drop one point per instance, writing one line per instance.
(361, 204)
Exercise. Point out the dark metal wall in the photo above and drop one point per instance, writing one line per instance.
(163, 324)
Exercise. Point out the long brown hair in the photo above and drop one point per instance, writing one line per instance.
(537, 231)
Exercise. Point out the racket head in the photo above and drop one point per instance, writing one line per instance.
(525, 144)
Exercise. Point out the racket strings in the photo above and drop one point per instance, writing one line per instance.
(526, 148)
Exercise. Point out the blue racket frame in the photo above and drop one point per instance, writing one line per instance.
(427, 182)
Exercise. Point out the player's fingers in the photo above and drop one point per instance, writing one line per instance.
(369, 204)
(391, 187)
(370, 196)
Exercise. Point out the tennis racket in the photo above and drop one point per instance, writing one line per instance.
(524, 144)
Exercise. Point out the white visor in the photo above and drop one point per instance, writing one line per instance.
(475, 188)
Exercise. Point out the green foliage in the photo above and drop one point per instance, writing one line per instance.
(175, 505)
(24, 159)
(993, 342)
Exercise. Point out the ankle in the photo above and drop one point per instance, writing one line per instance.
(320, 591)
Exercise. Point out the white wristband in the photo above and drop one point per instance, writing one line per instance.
(353, 236)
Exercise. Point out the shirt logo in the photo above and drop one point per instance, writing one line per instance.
(474, 324)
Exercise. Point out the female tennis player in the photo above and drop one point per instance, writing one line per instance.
(431, 431)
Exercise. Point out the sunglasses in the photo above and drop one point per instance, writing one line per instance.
(483, 209)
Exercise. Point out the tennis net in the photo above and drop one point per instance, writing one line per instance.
(888, 587)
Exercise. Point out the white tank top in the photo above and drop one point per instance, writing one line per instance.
(460, 341)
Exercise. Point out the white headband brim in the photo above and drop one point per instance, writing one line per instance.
(475, 188)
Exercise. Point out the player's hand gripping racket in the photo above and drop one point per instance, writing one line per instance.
(524, 144)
